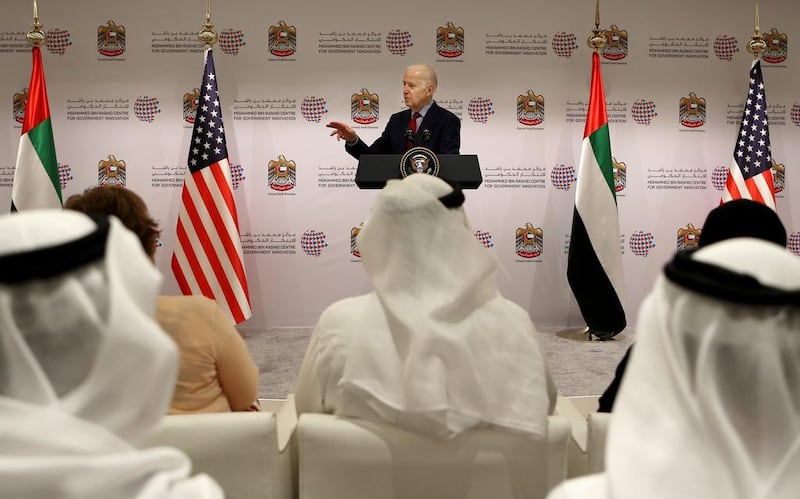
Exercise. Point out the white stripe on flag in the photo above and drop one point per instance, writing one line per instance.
(595, 203)
(32, 188)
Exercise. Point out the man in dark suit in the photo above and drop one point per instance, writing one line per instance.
(432, 126)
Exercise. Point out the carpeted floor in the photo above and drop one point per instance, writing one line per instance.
(579, 367)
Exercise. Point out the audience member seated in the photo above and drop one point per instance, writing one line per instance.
(434, 348)
(739, 218)
(86, 373)
(709, 407)
(217, 373)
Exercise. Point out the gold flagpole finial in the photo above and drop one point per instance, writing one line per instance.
(36, 36)
(756, 46)
(597, 41)
(207, 35)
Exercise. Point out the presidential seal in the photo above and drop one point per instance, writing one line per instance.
(419, 160)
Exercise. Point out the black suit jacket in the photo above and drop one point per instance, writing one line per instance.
(444, 128)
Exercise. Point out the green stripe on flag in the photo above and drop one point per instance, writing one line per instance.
(601, 146)
(41, 137)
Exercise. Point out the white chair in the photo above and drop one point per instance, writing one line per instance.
(586, 453)
(242, 451)
(353, 459)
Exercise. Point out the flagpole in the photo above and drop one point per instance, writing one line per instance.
(36, 36)
(756, 46)
(208, 35)
(597, 41)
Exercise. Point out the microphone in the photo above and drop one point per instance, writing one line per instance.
(426, 137)
(410, 136)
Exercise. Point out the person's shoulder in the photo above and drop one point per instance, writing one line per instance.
(344, 311)
(191, 303)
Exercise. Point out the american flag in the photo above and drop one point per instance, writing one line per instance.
(207, 258)
(750, 172)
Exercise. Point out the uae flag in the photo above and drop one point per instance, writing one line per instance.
(594, 265)
(36, 183)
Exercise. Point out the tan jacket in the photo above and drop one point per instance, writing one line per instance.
(217, 373)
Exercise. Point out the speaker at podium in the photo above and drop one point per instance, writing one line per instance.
(375, 169)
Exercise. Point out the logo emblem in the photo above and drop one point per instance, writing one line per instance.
(617, 47)
(237, 175)
(111, 171)
(719, 176)
(778, 176)
(643, 111)
(641, 243)
(564, 44)
(281, 174)
(562, 176)
(777, 46)
(20, 101)
(282, 40)
(313, 108)
(692, 111)
(529, 241)
(58, 41)
(313, 242)
(530, 109)
(484, 237)
(111, 39)
(64, 175)
(146, 108)
(364, 107)
(794, 243)
(190, 100)
(450, 40)
(419, 160)
(353, 246)
(688, 237)
(725, 46)
(398, 41)
(231, 40)
(480, 109)
(620, 174)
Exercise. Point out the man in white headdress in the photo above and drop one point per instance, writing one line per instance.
(434, 348)
(85, 371)
(710, 405)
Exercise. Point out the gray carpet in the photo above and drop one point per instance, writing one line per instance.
(579, 367)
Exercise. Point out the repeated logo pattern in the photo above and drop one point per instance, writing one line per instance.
(480, 109)
(643, 111)
(64, 175)
(146, 108)
(313, 108)
(484, 237)
(398, 41)
(58, 41)
(237, 175)
(564, 44)
(562, 176)
(313, 242)
(231, 40)
(794, 243)
(794, 113)
(719, 176)
(641, 243)
(725, 46)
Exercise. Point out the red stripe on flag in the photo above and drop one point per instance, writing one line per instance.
(223, 231)
(203, 236)
(752, 188)
(194, 265)
(36, 110)
(597, 115)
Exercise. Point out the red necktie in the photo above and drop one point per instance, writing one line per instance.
(412, 125)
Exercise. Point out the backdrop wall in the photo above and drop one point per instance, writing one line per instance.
(111, 102)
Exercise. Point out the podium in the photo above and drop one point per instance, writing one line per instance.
(375, 169)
